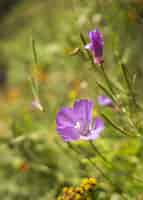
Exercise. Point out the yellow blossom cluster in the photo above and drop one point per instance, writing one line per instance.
(79, 193)
(88, 184)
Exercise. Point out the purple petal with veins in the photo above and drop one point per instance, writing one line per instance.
(77, 123)
(96, 46)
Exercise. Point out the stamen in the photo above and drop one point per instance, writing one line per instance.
(77, 125)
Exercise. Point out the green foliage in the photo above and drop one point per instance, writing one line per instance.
(35, 163)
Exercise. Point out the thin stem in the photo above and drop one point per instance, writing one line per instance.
(76, 152)
(106, 91)
(133, 177)
(101, 171)
(90, 160)
(35, 82)
(34, 92)
(130, 89)
(88, 53)
(34, 51)
(98, 169)
(106, 78)
(138, 179)
(105, 176)
(98, 152)
(124, 132)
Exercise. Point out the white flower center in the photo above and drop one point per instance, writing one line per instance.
(77, 126)
(84, 128)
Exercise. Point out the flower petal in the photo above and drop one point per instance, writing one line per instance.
(95, 132)
(65, 118)
(99, 125)
(69, 133)
(96, 36)
(104, 101)
(91, 36)
(96, 41)
(97, 60)
(92, 136)
(83, 108)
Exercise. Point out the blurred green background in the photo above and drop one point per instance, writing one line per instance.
(38, 164)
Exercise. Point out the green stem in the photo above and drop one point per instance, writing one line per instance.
(98, 168)
(35, 82)
(119, 129)
(34, 51)
(125, 73)
(98, 152)
(90, 160)
(101, 171)
(105, 176)
(106, 91)
(106, 78)
(88, 53)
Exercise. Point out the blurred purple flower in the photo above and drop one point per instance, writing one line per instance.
(77, 123)
(104, 101)
(96, 46)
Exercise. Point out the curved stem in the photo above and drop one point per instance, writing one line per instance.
(106, 78)
(130, 89)
(119, 129)
(98, 169)
(99, 153)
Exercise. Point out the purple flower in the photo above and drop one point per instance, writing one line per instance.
(77, 123)
(104, 101)
(96, 46)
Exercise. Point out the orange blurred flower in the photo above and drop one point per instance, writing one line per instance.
(138, 1)
(132, 15)
(24, 167)
(13, 94)
(41, 75)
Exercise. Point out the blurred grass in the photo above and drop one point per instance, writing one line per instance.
(56, 28)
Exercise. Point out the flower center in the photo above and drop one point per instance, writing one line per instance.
(77, 126)
(84, 128)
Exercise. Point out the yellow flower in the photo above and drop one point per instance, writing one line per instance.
(87, 187)
(13, 94)
(72, 94)
(39, 74)
(59, 198)
(78, 197)
(78, 193)
(79, 190)
(92, 180)
(95, 112)
(65, 189)
(88, 184)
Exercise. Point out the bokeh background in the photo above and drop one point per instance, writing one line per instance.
(38, 164)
